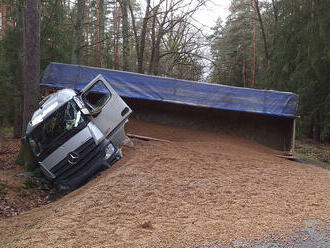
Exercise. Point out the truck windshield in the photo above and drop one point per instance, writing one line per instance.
(63, 122)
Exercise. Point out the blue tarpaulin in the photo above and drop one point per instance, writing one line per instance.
(140, 86)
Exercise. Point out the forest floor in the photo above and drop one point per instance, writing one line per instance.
(313, 152)
(18, 192)
(200, 190)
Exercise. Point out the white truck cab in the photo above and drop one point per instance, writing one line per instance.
(73, 135)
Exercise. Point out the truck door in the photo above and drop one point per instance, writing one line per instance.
(105, 105)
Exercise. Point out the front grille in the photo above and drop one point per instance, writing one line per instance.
(87, 152)
(60, 140)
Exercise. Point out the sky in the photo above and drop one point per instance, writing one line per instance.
(207, 16)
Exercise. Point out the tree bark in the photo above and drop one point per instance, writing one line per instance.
(86, 28)
(116, 37)
(20, 69)
(254, 72)
(101, 31)
(317, 125)
(78, 32)
(311, 127)
(98, 34)
(244, 71)
(130, 55)
(157, 59)
(32, 60)
(153, 43)
(143, 38)
(18, 130)
(275, 10)
(125, 34)
(156, 40)
(256, 4)
(136, 38)
(3, 18)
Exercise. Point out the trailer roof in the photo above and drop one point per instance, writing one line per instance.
(147, 87)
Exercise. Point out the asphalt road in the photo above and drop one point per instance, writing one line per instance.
(314, 234)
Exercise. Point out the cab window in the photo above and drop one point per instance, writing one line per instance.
(66, 119)
(96, 96)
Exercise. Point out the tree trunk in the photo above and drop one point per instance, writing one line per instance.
(18, 129)
(143, 38)
(156, 40)
(87, 42)
(256, 4)
(275, 11)
(243, 71)
(78, 32)
(97, 50)
(131, 55)
(116, 38)
(32, 60)
(20, 70)
(125, 34)
(3, 18)
(101, 32)
(153, 44)
(311, 127)
(254, 72)
(156, 58)
(317, 125)
(136, 38)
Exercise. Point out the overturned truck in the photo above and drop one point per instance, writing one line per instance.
(74, 134)
(265, 116)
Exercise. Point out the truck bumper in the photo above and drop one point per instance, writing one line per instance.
(68, 177)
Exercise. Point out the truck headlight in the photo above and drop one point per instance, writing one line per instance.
(109, 150)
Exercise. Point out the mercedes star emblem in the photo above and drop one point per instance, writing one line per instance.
(73, 158)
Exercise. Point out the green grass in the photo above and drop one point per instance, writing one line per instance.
(313, 152)
(312, 160)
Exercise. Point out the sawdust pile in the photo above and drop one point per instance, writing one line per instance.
(203, 188)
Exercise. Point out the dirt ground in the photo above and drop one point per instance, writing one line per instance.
(17, 192)
(200, 189)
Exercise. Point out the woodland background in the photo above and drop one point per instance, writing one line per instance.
(267, 44)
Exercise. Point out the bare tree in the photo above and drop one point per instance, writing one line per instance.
(182, 52)
(168, 17)
(140, 40)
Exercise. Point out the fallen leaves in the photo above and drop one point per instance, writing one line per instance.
(18, 193)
